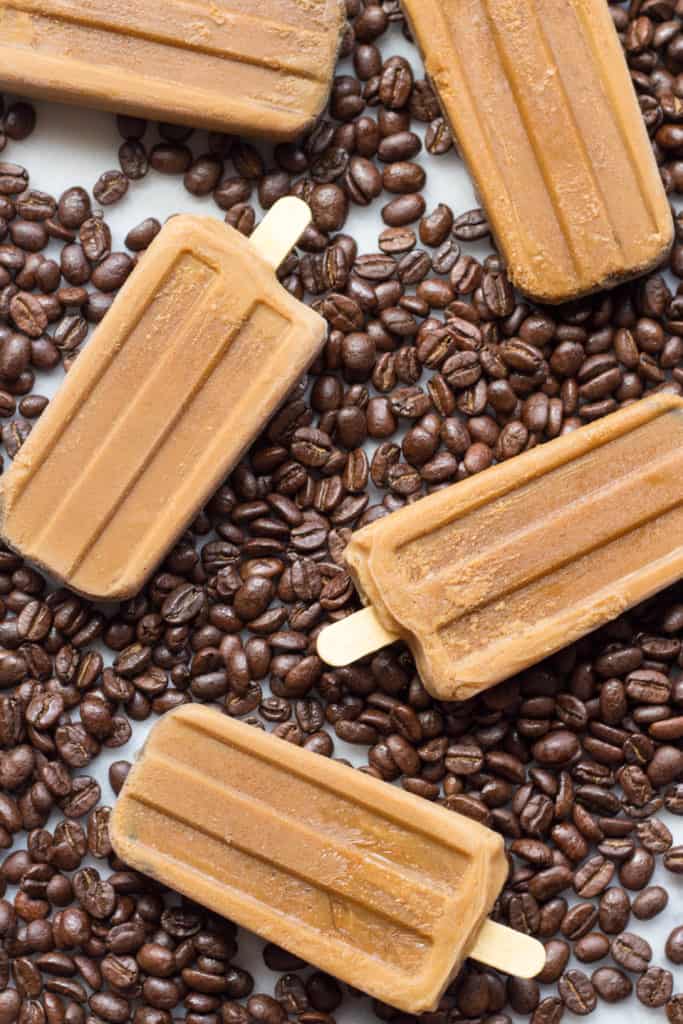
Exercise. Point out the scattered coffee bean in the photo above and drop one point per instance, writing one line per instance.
(654, 987)
(674, 946)
(631, 951)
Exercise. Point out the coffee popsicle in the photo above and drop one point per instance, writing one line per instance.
(255, 67)
(199, 349)
(493, 574)
(540, 100)
(374, 885)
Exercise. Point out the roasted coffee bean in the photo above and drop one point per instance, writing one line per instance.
(654, 987)
(631, 951)
(611, 984)
(591, 947)
(636, 872)
(614, 910)
(674, 946)
(577, 992)
(650, 902)
(673, 860)
(557, 956)
(170, 158)
(110, 187)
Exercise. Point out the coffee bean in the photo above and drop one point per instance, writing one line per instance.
(557, 748)
(556, 958)
(611, 984)
(631, 951)
(654, 987)
(142, 235)
(265, 1010)
(10, 1004)
(591, 947)
(650, 902)
(110, 187)
(674, 946)
(674, 1009)
(665, 766)
(577, 992)
(404, 210)
(654, 835)
(614, 910)
(170, 158)
(636, 872)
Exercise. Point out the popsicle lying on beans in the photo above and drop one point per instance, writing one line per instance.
(493, 574)
(385, 890)
(197, 352)
(540, 100)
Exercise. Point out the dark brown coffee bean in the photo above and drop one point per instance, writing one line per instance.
(593, 877)
(265, 1010)
(614, 910)
(557, 748)
(471, 226)
(170, 158)
(650, 902)
(611, 984)
(556, 958)
(654, 987)
(577, 992)
(665, 766)
(631, 951)
(110, 187)
(674, 946)
(636, 872)
(591, 947)
(579, 920)
(405, 209)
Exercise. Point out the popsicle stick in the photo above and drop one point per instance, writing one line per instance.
(508, 950)
(353, 637)
(281, 229)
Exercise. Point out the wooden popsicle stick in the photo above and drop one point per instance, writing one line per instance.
(508, 950)
(353, 637)
(281, 229)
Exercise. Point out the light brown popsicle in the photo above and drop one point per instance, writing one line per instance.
(255, 67)
(540, 100)
(382, 889)
(493, 574)
(199, 349)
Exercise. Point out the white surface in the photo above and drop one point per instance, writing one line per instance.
(73, 147)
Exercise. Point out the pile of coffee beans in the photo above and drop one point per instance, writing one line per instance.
(433, 370)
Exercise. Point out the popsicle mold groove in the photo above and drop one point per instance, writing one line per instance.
(359, 878)
(159, 407)
(184, 63)
(540, 100)
(493, 574)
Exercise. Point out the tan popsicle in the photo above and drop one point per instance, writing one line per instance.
(254, 67)
(540, 99)
(385, 890)
(493, 574)
(200, 347)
